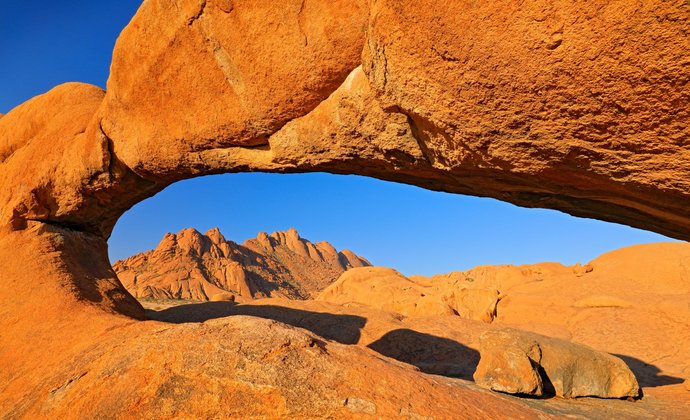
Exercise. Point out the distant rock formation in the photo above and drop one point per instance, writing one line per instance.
(189, 265)
(386, 289)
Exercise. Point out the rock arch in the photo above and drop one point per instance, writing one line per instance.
(580, 108)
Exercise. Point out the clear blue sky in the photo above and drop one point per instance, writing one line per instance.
(44, 43)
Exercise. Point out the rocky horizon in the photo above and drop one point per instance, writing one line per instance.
(194, 266)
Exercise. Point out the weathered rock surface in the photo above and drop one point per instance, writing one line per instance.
(577, 107)
(58, 167)
(383, 288)
(483, 109)
(189, 265)
(236, 367)
(446, 346)
(558, 105)
(622, 306)
(519, 362)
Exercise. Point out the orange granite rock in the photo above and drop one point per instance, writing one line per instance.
(189, 265)
(519, 362)
(576, 107)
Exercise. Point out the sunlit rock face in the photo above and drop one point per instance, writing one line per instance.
(576, 107)
(519, 362)
(560, 106)
(190, 265)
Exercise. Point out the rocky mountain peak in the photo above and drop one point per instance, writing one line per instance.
(215, 236)
(191, 265)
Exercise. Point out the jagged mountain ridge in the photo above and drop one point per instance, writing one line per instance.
(194, 266)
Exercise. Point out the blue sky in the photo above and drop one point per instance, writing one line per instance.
(44, 43)
(411, 229)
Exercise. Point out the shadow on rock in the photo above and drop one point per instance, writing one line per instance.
(343, 329)
(647, 374)
(431, 354)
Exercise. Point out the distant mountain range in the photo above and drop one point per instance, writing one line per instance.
(194, 266)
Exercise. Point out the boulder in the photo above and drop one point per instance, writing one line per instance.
(478, 304)
(387, 289)
(239, 71)
(602, 302)
(509, 363)
(520, 362)
(222, 297)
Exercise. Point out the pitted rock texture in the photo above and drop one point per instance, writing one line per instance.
(194, 266)
(562, 105)
(576, 107)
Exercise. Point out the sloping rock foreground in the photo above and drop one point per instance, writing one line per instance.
(189, 265)
(568, 106)
(81, 361)
(447, 346)
(108, 365)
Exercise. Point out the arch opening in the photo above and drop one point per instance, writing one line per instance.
(362, 214)
(437, 232)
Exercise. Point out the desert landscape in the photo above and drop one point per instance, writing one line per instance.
(577, 107)
(447, 324)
